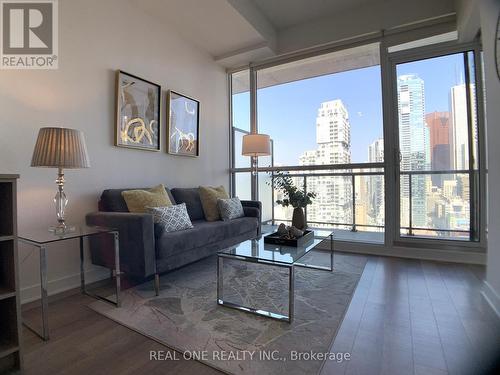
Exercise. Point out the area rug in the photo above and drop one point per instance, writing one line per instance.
(186, 317)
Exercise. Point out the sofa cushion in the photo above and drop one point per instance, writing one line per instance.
(190, 196)
(112, 201)
(203, 233)
(140, 200)
(209, 196)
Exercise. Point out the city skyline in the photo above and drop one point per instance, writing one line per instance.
(433, 133)
(426, 143)
(287, 111)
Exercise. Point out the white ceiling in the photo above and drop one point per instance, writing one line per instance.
(287, 13)
(213, 25)
(235, 32)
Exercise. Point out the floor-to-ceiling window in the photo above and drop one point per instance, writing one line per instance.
(240, 119)
(324, 114)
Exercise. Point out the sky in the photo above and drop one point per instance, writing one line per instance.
(287, 112)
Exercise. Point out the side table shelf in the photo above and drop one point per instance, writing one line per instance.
(10, 311)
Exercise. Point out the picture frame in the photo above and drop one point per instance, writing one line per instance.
(497, 47)
(138, 113)
(183, 125)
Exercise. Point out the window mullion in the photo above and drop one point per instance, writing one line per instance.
(472, 195)
(253, 129)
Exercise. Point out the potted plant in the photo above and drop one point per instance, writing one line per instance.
(297, 198)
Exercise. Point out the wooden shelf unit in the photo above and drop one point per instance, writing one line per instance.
(10, 306)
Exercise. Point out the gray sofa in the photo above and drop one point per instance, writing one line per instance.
(146, 250)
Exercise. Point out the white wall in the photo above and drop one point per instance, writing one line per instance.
(96, 38)
(489, 12)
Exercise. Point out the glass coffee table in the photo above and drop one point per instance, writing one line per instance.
(257, 251)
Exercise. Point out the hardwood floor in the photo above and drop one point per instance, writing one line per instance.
(406, 317)
(84, 342)
(417, 317)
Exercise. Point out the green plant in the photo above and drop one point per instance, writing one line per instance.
(295, 197)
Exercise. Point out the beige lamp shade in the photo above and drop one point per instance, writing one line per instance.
(256, 145)
(60, 148)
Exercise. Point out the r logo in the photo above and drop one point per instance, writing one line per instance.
(27, 28)
(29, 34)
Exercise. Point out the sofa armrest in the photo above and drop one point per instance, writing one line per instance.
(137, 242)
(253, 209)
(251, 212)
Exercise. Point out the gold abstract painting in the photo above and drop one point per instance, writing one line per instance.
(137, 112)
(183, 124)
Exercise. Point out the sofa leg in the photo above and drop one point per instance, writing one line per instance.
(157, 284)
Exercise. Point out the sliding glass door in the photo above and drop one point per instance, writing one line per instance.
(437, 145)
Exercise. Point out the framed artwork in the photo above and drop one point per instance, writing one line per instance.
(137, 112)
(183, 125)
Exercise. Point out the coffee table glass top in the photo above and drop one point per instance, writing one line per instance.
(42, 235)
(258, 250)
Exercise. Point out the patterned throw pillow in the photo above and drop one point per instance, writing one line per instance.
(171, 218)
(230, 208)
(139, 200)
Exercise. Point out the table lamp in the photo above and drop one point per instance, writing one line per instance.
(256, 145)
(60, 148)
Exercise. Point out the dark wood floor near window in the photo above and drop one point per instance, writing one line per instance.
(406, 317)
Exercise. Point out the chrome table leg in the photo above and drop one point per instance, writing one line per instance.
(44, 295)
(291, 293)
(117, 268)
(82, 268)
(331, 252)
(220, 279)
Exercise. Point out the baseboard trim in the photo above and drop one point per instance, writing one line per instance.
(32, 293)
(472, 257)
(491, 297)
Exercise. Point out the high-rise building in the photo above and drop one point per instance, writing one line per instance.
(440, 143)
(376, 151)
(414, 145)
(376, 184)
(333, 136)
(460, 127)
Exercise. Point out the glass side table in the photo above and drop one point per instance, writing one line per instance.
(41, 238)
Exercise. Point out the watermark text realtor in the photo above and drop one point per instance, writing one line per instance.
(29, 34)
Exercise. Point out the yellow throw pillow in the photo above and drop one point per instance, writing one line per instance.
(139, 200)
(209, 196)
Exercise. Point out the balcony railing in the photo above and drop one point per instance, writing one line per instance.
(472, 180)
(353, 172)
(351, 176)
(305, 173)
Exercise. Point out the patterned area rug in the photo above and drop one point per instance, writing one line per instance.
(186, 317)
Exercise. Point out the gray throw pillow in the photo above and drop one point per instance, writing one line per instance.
(230, 209)
(171, 218)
